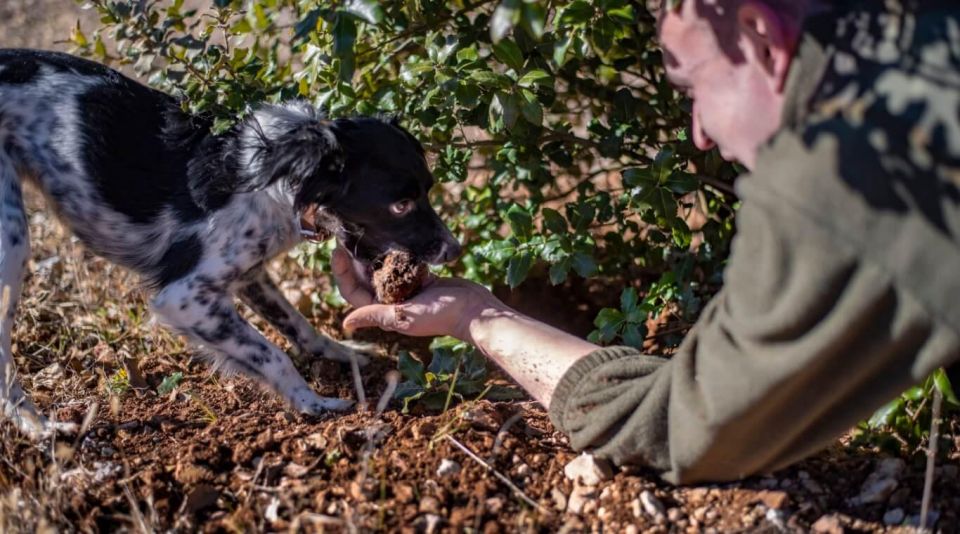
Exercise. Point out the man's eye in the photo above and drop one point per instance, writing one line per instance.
(401, 208)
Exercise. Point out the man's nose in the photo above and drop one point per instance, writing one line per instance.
(700, 138)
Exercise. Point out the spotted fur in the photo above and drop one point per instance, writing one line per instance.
(198, 215)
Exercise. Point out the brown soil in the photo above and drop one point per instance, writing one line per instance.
(398, 278)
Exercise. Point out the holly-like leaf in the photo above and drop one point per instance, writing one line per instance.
(518, 268)
(509, 53)
(366, 10)
(411, 368)
(521, 223)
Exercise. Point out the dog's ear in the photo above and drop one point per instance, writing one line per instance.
(291, 143)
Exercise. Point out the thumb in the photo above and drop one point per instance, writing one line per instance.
(382, 316)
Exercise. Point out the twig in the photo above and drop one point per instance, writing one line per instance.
(498, 442)
(138, 518)
(513, 487)
(357, 380)
(931, 459)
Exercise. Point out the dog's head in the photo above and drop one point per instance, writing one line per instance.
(367, 176)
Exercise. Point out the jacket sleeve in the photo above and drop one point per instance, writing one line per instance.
(805, 339)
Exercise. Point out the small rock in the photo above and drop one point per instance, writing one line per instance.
(403, 493)
(271, 513)
(636, 508)
(447, 468)
(893, 517)
(776, 500)
(651, 504)
(316, 441)
(494, 505)
(295, 470)
(631, 529)
(559, 499)
(432, 522)
(812, 486)
(674, 515)
(606, 493)
(429, 505)
(828, 524)
(881, 483)
(588, 470)
(201, 498)
(579, 499)
(777, 517)
(524, 471)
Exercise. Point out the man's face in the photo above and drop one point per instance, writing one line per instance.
(736, 104)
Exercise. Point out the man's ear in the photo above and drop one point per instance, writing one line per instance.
(770, 40)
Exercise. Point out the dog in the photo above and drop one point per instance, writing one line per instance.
(198, 215)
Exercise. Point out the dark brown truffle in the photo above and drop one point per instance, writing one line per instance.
(399, 277)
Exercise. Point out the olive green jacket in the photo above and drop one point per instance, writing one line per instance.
(843, 286)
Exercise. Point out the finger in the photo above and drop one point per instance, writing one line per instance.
(376, 315)
(350, 288)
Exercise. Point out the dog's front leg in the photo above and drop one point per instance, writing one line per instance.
(263, 296)
(203, 310)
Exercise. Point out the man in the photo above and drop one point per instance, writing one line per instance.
(843, 285)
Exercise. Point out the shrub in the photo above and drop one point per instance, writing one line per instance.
(558, 143)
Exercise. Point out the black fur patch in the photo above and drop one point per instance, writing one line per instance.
(179, 260)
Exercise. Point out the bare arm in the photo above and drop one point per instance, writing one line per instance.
(535, 354)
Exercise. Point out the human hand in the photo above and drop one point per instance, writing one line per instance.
(444, 307)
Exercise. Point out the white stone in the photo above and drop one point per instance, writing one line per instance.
(588, 470)
(447, 468)
(580, 497)
(652, 505)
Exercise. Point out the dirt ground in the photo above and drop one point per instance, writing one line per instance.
(217, 454)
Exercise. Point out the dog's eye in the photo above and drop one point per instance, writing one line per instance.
(401, 208)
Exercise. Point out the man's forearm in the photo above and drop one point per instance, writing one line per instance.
(534, 354)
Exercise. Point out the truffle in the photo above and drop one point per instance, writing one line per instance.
(398, 277)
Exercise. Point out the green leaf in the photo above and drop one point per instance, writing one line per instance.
(628, 300)
(607, 317)
(943, 385)
(553, 221)
(531, 110)
(623, 14)
(558, 271)
(505, 17)
(534, 18)
(509, 53)
(584, 265)
(521, 223)
(366, 10)
(443, 362)
(633, 335)
(170, 383)
(578, 12)
(518, 268)
(538, 77)
(504, 110)
(411, 368)
(344, 35)
(885, 416)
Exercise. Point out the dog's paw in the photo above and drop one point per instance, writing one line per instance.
(310, 403)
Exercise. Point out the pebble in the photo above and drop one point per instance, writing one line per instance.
(893, 517)
(559, 499)
(776, 500)
(828, 524)
(588, 470)
(432, 522)
(579, 499)
(447, 468)
(429, 505)
(777, 517)
(651, 504)
(524, 471)
(881, 483)
(674, 515)
(494, 505)
(631, 529)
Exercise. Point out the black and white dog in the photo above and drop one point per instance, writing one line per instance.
(196, 215)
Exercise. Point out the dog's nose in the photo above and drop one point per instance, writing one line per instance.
(449, 251)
